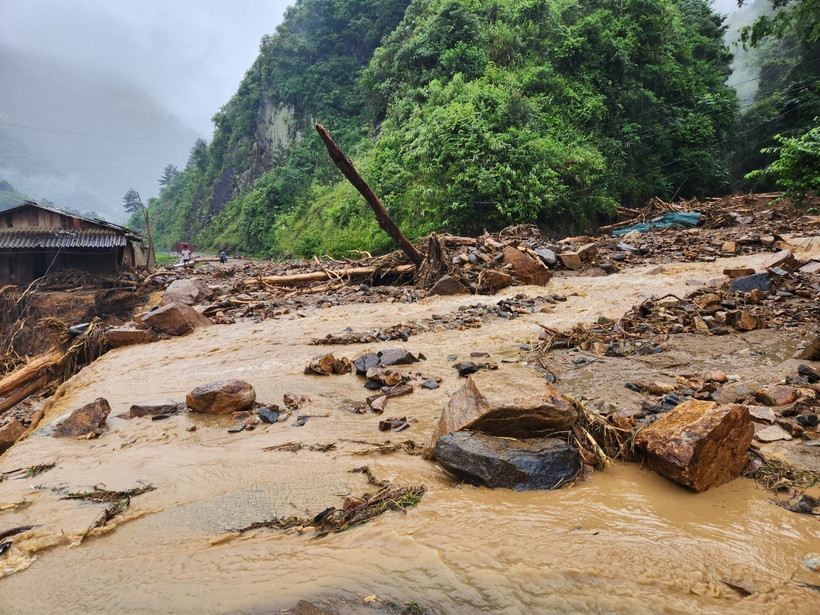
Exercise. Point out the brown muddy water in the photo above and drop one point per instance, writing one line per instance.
(623, 541)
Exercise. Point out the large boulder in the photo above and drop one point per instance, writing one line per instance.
(700, 444)
(174, 319)
(223, 397)
(189, 291)
(527, 269)
(84, 421)
(523, 465)
(515, 403)
(448, 285)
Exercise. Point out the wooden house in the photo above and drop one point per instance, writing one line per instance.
(36, 240)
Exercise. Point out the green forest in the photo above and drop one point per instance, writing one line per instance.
(465, 115)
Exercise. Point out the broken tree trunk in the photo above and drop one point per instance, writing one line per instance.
(320, 276)
(382, 217)
(22, 392)
(36, 368)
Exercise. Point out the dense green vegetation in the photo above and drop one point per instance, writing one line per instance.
(776, 147)
(462, 115)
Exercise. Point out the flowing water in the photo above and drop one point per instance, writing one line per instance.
(623, 541)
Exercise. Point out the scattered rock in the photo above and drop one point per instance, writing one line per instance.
(812, 351)
(327, 364)
(10, 432)
(395, 356)
(189, 291)
(776, 395)
(547, 256)
(494, 280)
(516, 404)
(465, 368)
(365, 362)
(762, 414)
(545, 463)
(174, 319)
(268, 415)
(430, 384)
(448, 285)
(394, 424)
(570, 260)
(126, 337)
(527, 269)
(223, 397)
(738, 272)
(85, 420)
(772, 433)
(699, 444)
(151, 408)
(749, 283)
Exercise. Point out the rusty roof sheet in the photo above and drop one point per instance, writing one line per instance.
(19, 239)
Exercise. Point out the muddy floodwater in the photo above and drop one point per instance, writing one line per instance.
(624, 540)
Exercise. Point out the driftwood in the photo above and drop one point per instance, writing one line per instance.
(320, 276)
(22, 392)
(382, 217)
(31, 371)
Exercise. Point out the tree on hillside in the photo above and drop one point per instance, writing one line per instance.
(169, 173)
(801, 17)
(131, 201)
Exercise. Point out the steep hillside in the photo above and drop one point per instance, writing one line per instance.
(462, 114)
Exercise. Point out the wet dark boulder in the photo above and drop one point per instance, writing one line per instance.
(748, 283)
(396, 356)
(365, 362)
(523, 465)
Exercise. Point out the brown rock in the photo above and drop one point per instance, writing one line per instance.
(151, 408)
(698, 443)
(773, 433)
(776, 395)
(811, 267)
(127, 337)
(322, 364)
(784, 259)
(729, 247)
(189, 291)
(738, 272)
(495, 280)
(84, 420)
(515, 403)
(708, 300)
(570, 260)
(223, 397)
(448, 285)
(812, 351)
(744, 321)
(527, 269)
(588, 251)
(10, 432)
(175, 319)
(384, 376)
(762, 414)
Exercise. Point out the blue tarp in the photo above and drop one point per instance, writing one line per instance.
(673, 218)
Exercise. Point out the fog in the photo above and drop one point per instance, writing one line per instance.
(100, 96)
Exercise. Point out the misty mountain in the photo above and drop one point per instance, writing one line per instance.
(80, 139)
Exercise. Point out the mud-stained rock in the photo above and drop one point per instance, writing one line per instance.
(365, 362)
(699, 444)
(396, 356)
(448, 285)
(493, 280)
(515, 403)
(188, 291)
(127, 337)
(327, 364)
(527, 269)
(523, 465)
(10, 432)
(152, 408)
(812, 351)
(85, 420)
(570, 260)
(174, 319)
(223, 397)
(776, 395)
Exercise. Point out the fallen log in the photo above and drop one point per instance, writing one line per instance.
(30, 371)
(320, 276)
(19, 394)
(382, 217)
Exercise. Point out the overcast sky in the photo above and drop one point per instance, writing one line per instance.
(189, 55)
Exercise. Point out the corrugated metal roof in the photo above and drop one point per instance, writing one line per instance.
(95, 221)
(17, 239)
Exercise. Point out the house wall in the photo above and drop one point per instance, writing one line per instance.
(21, 267)
(34, 217)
